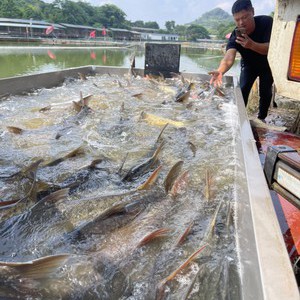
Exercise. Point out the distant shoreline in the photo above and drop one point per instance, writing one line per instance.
(68, 44)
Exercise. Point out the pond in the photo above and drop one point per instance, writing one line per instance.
(26, 60)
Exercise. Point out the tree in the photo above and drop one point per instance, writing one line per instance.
(195, 32)
(138, 23)
(181, 31)
(223, 29)
(170, 25)
(151, 24)
(10, 9)
(110, 16)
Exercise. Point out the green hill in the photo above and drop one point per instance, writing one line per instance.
(213, 19)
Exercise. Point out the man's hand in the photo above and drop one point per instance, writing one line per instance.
(248, 43)
(244, 41)
(216, 78)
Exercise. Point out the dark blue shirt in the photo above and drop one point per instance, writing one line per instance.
(261, 34)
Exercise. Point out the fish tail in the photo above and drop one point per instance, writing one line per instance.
(39, 268)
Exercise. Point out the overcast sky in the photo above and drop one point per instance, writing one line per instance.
(180, 11)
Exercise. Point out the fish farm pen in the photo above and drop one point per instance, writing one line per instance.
(116, 185)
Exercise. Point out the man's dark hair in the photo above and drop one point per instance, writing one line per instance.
(240, 5)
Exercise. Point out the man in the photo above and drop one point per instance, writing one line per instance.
(251, 39)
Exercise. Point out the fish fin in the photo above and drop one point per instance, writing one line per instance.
(179, 184)
(43, 109)
(157, 151)
(8, 203)
(172, 175)
(32, 167)
(161, 132)
(73, 153)
(162, 232)
(122, 165)
(15, 130)
(193, 148)
(56, 196)
(77, 151)
(95, 162)
(210, 229)
(151, 180)
(182, 237)
(39, 268)
(77, 106)
(86, 99)
(183, 266)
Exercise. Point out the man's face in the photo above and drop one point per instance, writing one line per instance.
(245, 19)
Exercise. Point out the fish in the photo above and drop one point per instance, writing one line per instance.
(220, 92)
(124, 207)
(140, 169)
(83, 102)
(82, 110)
(257, 123)
(108, 220)
(160, 121)
(184, 93)
(74, 181)
(52, 198)
(82, 76)
(17, 206)
(78, 151)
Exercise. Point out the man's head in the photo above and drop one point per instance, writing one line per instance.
(243, 15)
(240, 5)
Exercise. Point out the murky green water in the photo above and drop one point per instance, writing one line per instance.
(24, 60)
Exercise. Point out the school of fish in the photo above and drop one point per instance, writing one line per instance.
(119, 187)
